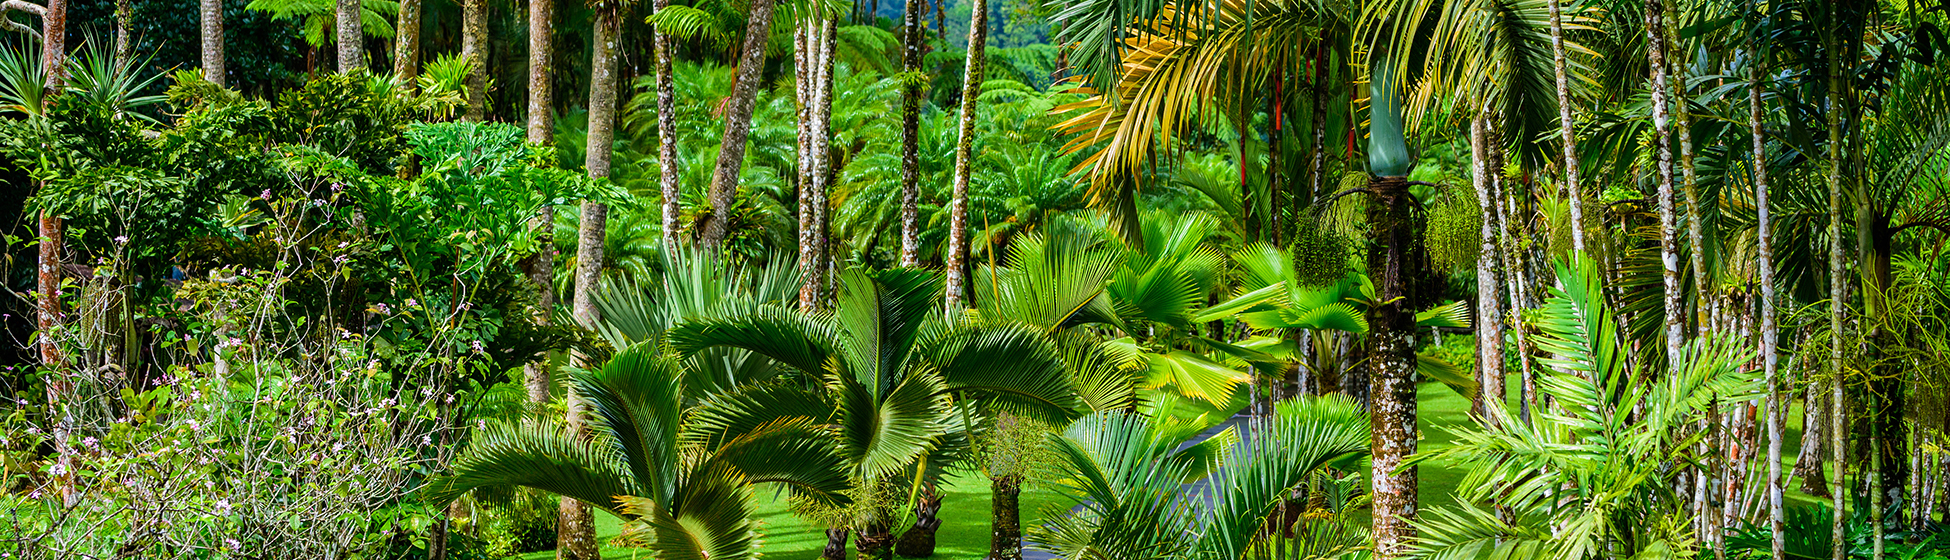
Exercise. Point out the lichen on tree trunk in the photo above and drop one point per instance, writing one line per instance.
(1005, 534)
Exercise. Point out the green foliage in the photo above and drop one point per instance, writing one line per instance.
(317, 17)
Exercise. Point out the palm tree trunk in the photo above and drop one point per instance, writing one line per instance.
(918, 541)
(211, 32)
(1398, 262)
(602, 94)
(1814, 443)
(1683, 132)
(913, 29)
(713, 226)
(1836, 299)
(1769, 335)
(576, 528)
(473, 49)
(541, 86)
(540, 269)
(816, 78)
(668, 173)
(54, 54)
(1662, 142)
(1566, 130)
(835, 544)
(971, 88)
(406, 43)
(1005, 536)
(541, 130)
(351, 36)
(875, 541)
(53, 242)
(124, 33)
(1489, 284)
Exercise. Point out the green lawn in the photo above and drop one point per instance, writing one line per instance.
(965, 509)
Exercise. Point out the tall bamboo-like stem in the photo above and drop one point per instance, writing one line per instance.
(1836, 300)
(912, 30)
(1675, 306)
(715, 225)
(1764, 237)
(1566, 130)
(351, 36)
(971, 89)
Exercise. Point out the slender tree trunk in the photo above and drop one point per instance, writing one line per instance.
(54, 51)
(124, 33)
(212, 35)
(919, 541)
(1567, 131)
(1675, 306)
(1688, 171)
(1769, 335)
(474, 50)
(971, 88)
(541, 60)
(1836, 301)
(1318, 167)
(714, 226)
(53, 242)
(813, 184)
(406, 43)
(602, 94)
(668, 172)
(541, 272)
(1814, 443)
(913, 29)
(1005, 535)
(351, 36)
(1399, 263)
(576, 527)
(1489, 283)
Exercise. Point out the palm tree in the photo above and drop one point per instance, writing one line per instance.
(474, 50)
(892, 374)
(669, 174)
(1764, 240)
(1131, 468)
(712, 226)
(1401, 265)
(406, 44)
(971, 84)
(210, 30)
(1588, 480)
(814, 57)
(912, 31)
(351, 35)
(576, 530)
(1566, 130)
(680, 478)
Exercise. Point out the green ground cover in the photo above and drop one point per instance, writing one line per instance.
(965, 510)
